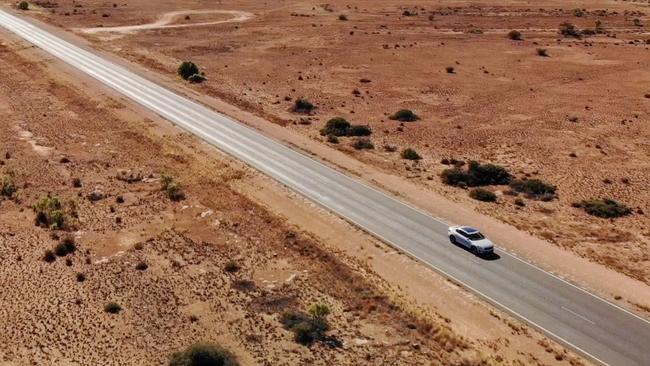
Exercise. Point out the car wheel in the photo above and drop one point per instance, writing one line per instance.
(452, 239)
(475, 250)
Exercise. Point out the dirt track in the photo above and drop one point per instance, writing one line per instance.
(170, 17)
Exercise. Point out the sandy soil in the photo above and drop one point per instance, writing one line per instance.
(576, 119)
(73, 129)
(69, 131)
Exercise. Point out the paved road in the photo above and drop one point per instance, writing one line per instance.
(588, 324)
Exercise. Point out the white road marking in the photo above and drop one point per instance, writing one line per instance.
(578, 315)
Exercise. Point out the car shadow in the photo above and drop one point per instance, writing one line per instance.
(487, 257)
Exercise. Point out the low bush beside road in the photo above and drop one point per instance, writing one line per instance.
(604, 207)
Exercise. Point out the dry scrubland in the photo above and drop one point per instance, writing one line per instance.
(571, 112)
(138, 272)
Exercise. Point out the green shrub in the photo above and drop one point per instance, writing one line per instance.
(359, 130)
(232, 267)
(579, 13)
(519, 202)
(606, 208)
(569, 30)
(542, 52)
(203, 355)
(112, 308)
(410, 154)
(476, 175)
(343, 17)
(49, 256)
(187, 69)
(337, 126)
(637, 22)
(141, 266)
(7, 186)
(482, 194)
(81, 277)
(363, 144)
(450, 69)
(60, 250)
(302, 105)
(173, 189)
(65, 247)
(319, 310)
(533, 188)
(50, 213)
(515, 35)
(332, 139)
(23, 5)
(306, 329)
(405, 115)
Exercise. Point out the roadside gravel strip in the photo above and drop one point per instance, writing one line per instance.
(598, 329)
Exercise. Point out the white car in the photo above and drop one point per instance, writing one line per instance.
(471, 239)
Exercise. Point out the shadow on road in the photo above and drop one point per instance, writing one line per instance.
(487, 257)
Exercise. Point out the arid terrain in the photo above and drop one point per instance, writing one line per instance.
(576, 119)
(217, 266)
(153, 270)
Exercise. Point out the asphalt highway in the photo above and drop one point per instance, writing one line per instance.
(596, 328)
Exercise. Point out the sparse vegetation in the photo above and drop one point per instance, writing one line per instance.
(49, 256)
(76, 182)
(343, 17)
(363, 144)
(637, 22)
(534, 188)
(450, 70)
(410, 154)
(476, 175)
(359, 130)
(578, 13)
(542, 52)
(339, 126)
(515, 35)
(404, 115)
(203, 355)
(196, 78)
(141, 266)
(23, 5)
(520, 202)
(7, 186)
(50, 213)
(80, 277)
(319, 310)
(302, 105)
(187, 69)
(569, 30)
(172, 188)
(112, 308)
(606, 208)
(482, 194)
(231, 267)
(307, 329)
(332, 139)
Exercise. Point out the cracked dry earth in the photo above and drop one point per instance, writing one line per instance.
(51, 133)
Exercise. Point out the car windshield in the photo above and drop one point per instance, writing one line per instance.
(475, 236)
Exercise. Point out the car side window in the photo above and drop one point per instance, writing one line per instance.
(462, 233)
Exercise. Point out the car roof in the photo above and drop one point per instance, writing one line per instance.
(469, 229)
